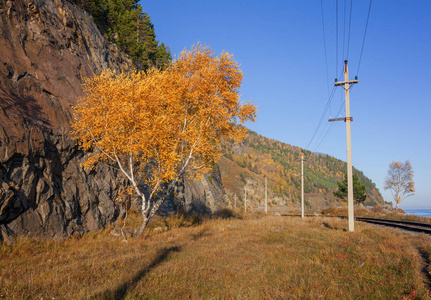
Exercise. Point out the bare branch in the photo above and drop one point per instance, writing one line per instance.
(101, 150)
(197, 168)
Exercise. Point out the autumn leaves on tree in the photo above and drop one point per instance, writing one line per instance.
(159, 127)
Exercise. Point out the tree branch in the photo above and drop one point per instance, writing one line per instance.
(95, 142)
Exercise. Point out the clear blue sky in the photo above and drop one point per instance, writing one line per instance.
(280, 47)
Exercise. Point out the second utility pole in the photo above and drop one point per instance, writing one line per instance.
(346, 84)
(302, 185)
(245, 199)
(266, 195)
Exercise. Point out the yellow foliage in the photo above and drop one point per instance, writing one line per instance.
(169, 123)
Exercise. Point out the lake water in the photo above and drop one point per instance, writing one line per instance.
(418, 212)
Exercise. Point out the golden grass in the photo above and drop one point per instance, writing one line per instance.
(254, 257)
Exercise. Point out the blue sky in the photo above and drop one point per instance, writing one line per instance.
(280, 46)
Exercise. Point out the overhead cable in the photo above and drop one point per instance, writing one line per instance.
(350, 24)
(324, 45)
(365, 34)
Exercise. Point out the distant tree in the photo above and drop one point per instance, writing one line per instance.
(160, 127)
(359, 195)
(400, 181)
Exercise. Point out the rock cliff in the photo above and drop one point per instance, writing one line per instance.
(47, 47)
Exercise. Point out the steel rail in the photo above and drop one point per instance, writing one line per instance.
(406, 225)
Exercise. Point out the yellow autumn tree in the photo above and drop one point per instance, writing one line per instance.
(159, 127)
(400, 181)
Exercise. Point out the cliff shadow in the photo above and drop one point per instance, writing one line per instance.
(27, 107)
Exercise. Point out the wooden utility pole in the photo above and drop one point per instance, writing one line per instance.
(235, 199)
(302, 185)
(346, 84)
(245, 199)
(266, 195)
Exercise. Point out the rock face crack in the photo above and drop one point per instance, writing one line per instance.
(47, 48)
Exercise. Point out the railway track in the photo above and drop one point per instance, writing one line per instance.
(406, 225)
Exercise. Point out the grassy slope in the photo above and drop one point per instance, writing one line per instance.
(246, 164)
(252, 258)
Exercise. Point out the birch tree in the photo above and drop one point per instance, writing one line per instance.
(400, 181)
(159, 127)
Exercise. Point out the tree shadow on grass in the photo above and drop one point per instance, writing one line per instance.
(121, 291)
(426, 263)
(327, 225)
(200, 234)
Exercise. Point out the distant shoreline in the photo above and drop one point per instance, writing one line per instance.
(424, 212)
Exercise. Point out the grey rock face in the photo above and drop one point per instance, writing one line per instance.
(47, 48)
(204, 196)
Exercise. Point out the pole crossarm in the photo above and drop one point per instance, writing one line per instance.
(347, 84)
(341, 119)
(344, 83)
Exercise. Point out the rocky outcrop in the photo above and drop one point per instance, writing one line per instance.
(48, 193)
(47, 47)
(204, 196)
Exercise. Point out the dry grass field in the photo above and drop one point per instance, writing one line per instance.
(244, 257)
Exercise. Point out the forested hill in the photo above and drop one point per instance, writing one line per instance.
(258, 156)
(124, 23)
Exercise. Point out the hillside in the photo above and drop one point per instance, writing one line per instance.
(247, 163)
(48, 47)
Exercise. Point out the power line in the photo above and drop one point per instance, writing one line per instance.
(341, 107)
(331, 96)
(344, 26)
(336, 37)
(350, 24)
(328, 104)
(331, 127)
(324, 45)
(324, 138)
(323, 131)
(322, 135)
(365, 34)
